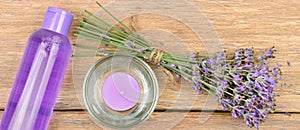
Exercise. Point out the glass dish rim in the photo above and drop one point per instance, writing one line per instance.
(110, 57)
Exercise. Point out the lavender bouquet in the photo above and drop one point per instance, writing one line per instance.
(242, 81)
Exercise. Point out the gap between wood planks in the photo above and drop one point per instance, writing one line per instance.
(168, 110)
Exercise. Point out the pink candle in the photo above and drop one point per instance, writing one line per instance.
(120, 91)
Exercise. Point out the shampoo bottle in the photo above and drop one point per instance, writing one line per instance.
(33, 95)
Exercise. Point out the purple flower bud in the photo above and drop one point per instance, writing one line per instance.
(271, 105)
(196, 69)
(249, 59)
(198, 89)
(222, 83)
(264, 96)
(263, 114)
(268, 54)
(225, 103)
(236, 78)
(248, 122)
(221, 89)
(248, 52)
(272, 81)
(213, 83)
(271, 89)
(105, 37)
(249, 55)
(247, 66)
(259, 106)
(212, 61)
(270, 50)
(129, 43)
(256, 124)
(241, 88)
(250, 93)
(237, 98)
(249, 104)
(142, 50)
(206, 70)
(193, 56)
(201, 59)
(257, 86)
(263, 71)
(276, 71)
(234, 115)
(238, 54)
(255, 74)
(220, 58)
(237, 111)
(227, 66)
(197, 86)
(173, 65)
(105, 54)
(254, 98)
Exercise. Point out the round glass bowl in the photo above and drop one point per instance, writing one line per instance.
(98, 103)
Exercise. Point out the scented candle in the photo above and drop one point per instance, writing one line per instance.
(120, 91)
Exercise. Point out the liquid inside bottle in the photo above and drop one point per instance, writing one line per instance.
(40, 75)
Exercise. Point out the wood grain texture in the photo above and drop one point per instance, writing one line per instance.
(239, 24)
(70, 120)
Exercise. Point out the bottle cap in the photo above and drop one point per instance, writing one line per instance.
(58, 20)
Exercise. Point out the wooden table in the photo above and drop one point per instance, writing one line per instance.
(239, 24)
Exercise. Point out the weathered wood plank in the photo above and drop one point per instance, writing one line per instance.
(239, 24)
(79, 120)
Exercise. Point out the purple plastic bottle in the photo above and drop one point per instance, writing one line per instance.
(40, 74)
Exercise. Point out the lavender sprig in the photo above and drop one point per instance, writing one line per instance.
(243, 84)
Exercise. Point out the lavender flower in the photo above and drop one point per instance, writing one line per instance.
(276, 71)
(238, 111)
(193, 56)
(267, 54)
(102, 52)
(129, 43)
(238, 57)
(220, 58)
(196, 78)
(248, 55)
(220, 90)
(242, 84)
(105, 37)
(173, 65)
